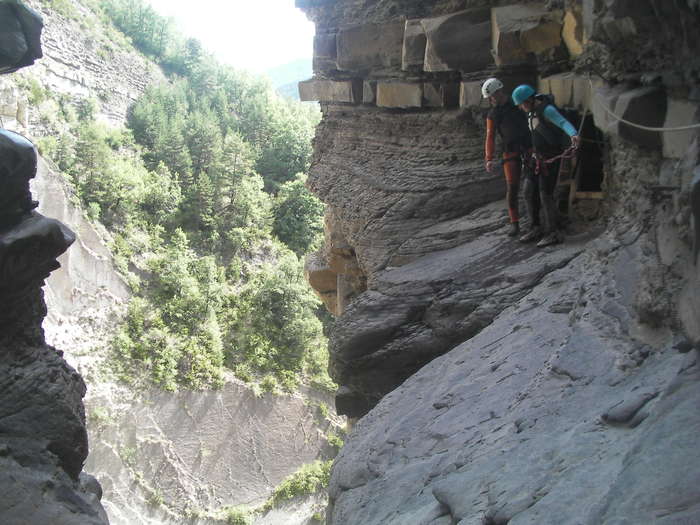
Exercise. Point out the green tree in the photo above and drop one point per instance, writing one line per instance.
(298, 217)
(274, 326)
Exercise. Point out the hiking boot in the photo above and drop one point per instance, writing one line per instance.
(549, 239)
(533, 234)
(514, 229)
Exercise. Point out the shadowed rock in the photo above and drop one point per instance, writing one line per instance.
(20, 36)
(29, 242)
(43, 439)
(695, 208)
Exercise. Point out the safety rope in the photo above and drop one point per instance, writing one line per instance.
(568, 153)
(633, 124)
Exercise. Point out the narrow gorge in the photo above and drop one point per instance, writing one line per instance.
(488, 382)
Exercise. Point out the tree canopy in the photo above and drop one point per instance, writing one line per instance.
(204, 195)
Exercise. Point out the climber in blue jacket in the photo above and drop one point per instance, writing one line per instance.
(551, 135)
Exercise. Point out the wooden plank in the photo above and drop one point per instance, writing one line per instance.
(590, 195)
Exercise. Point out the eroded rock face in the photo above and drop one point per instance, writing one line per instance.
(42, 421)
(551, 415)
(20, 36)
(43, 439)
(81, 63)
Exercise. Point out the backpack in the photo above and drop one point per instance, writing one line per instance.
(512, 127)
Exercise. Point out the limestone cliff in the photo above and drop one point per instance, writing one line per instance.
(499, 382)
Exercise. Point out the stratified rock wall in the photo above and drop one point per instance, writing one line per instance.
(567, 387)
(82, 62)
(398, 155)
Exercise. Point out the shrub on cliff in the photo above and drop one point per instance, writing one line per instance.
(309, 479)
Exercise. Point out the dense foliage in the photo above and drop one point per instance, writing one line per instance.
(205, 198)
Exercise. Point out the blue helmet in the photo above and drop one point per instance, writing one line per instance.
(522, 93)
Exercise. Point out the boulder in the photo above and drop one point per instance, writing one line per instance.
(561, 86)
(449, 36)
(604, 99)
(583, 91)
(518, 30)
(325, 52)
(470, 94)
(20, 36)
(399, 94)
(342, 91)
(371, 46)
(414, 42)
(323, 280)
(572, 32)
(369, 92)
(679, 113)
(645, 106)
(440, 94)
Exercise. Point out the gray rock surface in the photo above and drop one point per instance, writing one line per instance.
(371, 46)
(199, 450)
(552, 414)
(20, 36)
(43, 439)
(37, 490)
(449, 36)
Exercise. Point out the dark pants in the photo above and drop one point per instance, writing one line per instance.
(511, 170)
(539, 194)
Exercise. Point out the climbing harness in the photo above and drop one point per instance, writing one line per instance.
(568, 153)
(541, 162)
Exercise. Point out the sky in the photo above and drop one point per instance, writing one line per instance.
(248, 34)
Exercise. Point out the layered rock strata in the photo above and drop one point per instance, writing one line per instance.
(398, 154)
(501, 383)
(84, 59)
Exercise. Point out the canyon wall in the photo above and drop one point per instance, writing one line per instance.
(43, 440)
(500, 382)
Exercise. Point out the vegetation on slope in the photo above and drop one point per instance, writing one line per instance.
(204, 195)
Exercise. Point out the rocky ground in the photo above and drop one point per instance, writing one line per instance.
(563, 410)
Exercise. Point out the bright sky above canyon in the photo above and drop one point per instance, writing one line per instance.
(247, 34)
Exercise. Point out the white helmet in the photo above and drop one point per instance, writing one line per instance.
(489, 87)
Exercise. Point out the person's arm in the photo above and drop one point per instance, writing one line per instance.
(556, 118)
(489, 147)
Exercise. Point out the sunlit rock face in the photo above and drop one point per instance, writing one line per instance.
(499, 382)
(43, 440)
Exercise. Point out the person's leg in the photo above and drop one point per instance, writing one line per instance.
(531, 192)
(511, 168)
(548, 183)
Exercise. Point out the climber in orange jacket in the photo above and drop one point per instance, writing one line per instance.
(511, 125)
